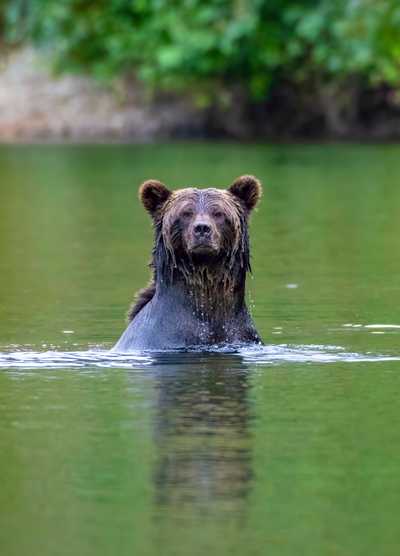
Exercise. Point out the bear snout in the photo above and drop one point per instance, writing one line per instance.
(202, 230)
(202, 236)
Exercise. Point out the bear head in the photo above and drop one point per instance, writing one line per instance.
(201, 227)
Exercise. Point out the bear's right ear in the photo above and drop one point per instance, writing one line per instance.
(153, 195)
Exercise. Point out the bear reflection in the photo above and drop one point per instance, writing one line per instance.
(202, 433)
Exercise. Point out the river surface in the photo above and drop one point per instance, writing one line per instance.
(288, 449)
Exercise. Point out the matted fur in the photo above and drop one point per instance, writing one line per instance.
(211, 286)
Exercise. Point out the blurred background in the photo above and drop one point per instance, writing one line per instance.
(245, 69)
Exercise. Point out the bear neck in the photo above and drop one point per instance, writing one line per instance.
(214, 295)
(212, 292)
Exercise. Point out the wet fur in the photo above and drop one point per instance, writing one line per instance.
(143, 296)
(205, 283)
(195, 297)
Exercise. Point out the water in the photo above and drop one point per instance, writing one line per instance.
(292, 448)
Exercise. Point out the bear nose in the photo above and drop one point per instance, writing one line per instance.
(202, 230)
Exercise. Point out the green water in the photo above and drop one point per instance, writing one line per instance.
(220, 453)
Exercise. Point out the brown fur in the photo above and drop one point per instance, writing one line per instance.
(153, 195)
(142, 297)
(248, 189)
(162, 204)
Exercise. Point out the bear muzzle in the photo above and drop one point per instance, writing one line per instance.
(202, 237)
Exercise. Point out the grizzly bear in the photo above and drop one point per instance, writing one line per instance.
(201, 256)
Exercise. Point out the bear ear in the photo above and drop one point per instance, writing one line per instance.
(153, 195)
(248, 190)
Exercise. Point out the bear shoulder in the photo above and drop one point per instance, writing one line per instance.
(143, 296)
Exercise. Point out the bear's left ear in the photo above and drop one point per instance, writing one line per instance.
(153, 195)
(248, 190)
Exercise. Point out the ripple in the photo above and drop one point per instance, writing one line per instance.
(284, 353)
(71, 359)
(388, 326)
(256, 355)
(382, 327)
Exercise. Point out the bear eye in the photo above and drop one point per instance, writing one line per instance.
(218, 214)
(187, 214)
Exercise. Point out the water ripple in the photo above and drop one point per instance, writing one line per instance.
(256, 355)
(71, 359)
(310, 354)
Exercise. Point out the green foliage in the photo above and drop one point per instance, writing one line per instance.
(348, 37)
(216, 45)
